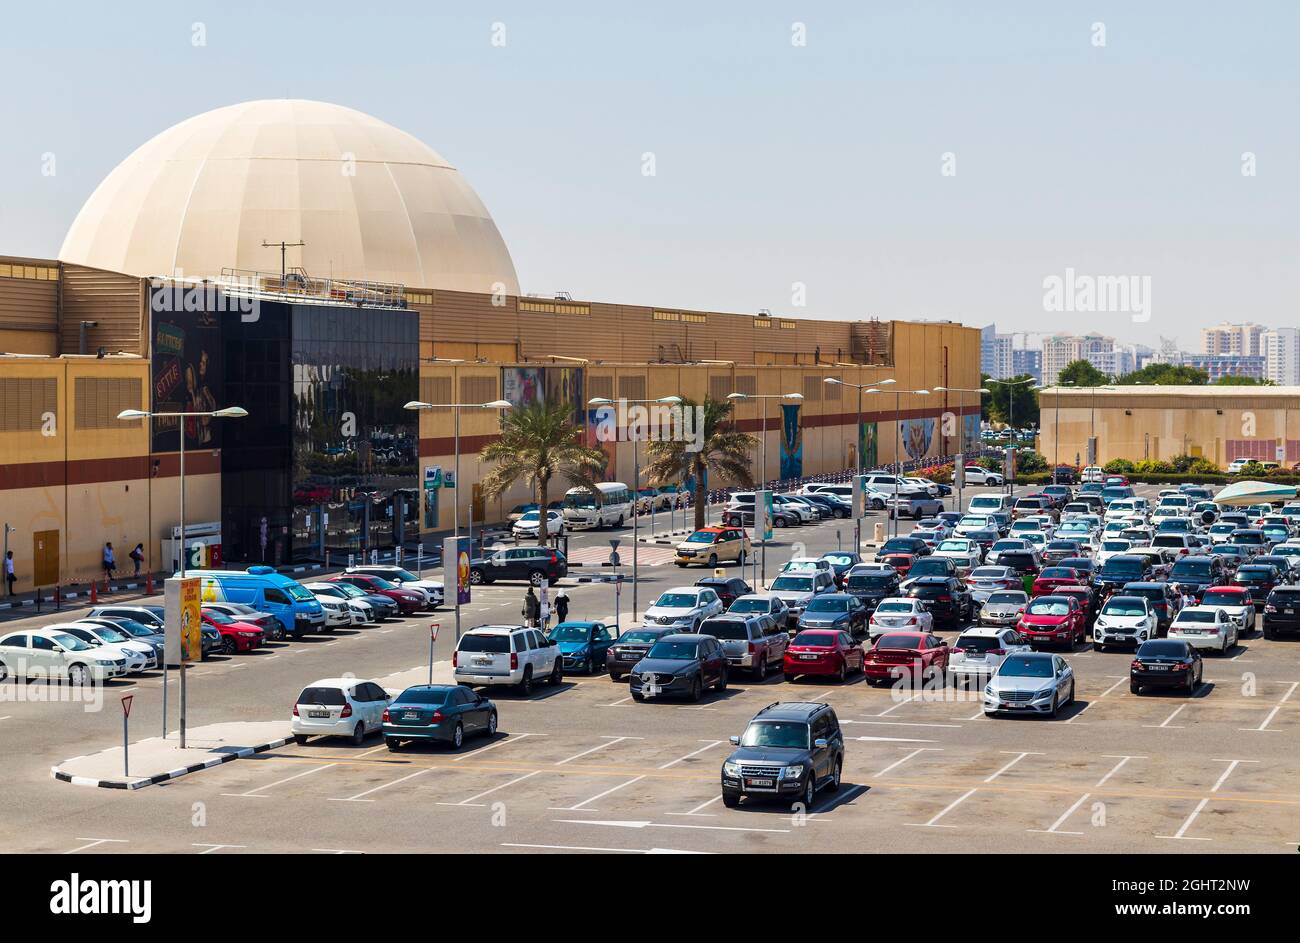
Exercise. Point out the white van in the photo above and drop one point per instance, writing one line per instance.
(610, 504)
(986, 504)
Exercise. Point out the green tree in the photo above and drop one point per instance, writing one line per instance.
(1165, 374)
(1081, 373)
(725, 454)
(1014, 392)
(1233, 380)
(538, 444)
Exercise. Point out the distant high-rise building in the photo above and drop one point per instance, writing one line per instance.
(1243, 339)
(1282, 356)
(1028, 361)
(1226, 365)
(995, 353)
(1060, 350)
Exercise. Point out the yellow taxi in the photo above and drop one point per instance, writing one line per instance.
(710, 546)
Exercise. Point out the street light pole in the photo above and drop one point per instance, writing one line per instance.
(797, 397)
(961, 432)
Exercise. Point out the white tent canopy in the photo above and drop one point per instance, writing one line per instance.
(1245, 493)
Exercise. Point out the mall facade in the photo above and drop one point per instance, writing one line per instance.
(162, 299)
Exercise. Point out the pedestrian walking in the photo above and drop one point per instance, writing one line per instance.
(543, 612)
(137, 557)
(9, 571)
(562, 606)
(532, 608)
(110, 563)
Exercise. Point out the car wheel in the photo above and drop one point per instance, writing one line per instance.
(1097, 646)
(458, 736)
(392, 743)
(475, 578)
(730, 800)
(4, 671)
(492, 724)
(740, 560)
(638, 696)
(300, 738)
(358, 734)
(1071, 700)
(557, 673)
(810, 791)
(713, 560)
(525, 685)
(78, 675)
(834, 784)
(722, 682)
(228, 647)
(696, 687)
(760, 670)
(1191, 684)
(843, 674)
(1269, 634)
(536, 577)
(1134, 688)
(1056, 706)
(619, 523)
(615, 676)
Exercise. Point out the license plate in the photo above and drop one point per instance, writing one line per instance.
(760, 782)
(410, 715)
(1289, 612)
(321, 714)
(975, 657)
(483, 662)
(808, 657)
(650, 690)
(1157, 667)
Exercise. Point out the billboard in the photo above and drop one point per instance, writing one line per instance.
(456, 553)
(182, 620)
(187, 376)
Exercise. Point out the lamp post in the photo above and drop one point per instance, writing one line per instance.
(128, 415)
(417, 405)
(857, 448)
(762, 473)
(636, 479)
(1011, 421)
(898, 439)
(961, 435)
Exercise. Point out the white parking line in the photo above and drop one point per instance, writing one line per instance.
(92, 842)
(599, 795)
(609, 742)
(510, 738)
(1232, 764)
(1179, 710)
(619, 703)
(252, 793)
(917, 752)
(211, 848)
(702, 805)
(933, 823)
(1180, 834)
(488, 792)
(1122, 760)
(1267, 720)
(899, 723)
(625, 851)
(359, 796)
(1054, 830)
(1090, 703)
(1017, 759)
(909, 700)
(681, 759)
(645, 823)
(337, 851)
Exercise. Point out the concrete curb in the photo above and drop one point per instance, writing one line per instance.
(131, 784)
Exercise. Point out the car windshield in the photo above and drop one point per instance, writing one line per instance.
(769, 733)
(433, 697)
(1191, 569)
(674, 651)
(899, 545)
(978, 643)
(894, 607)
(871, 580)
(988, 573)
(750, 605)
(1122, 567)
(138, 629)
(380, 583)
(838, 559)
(636, 635)
(1048, 607)
(71, 642)
(220, 618)
(328, 697)
(1026, 666)
(906, 643)
(828, 604)
(1115, 546)
(732, 629)
(569, 633)
(814, 640)
(1007, 599)
(1124, 607)
(347, 589)
(1196, 615)
(797, 584)
(298, 592)
(955, 546)
(677, 601)
(936, 566)
(1224, 599)
(110, 635)
(1058, 573)
(482, 642)
(702, 537)
(1248, 574)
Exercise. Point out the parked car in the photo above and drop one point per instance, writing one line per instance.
(975, 475)
(798, 589)
(339, 707)
(148, 634)
(445, 713)
(108, 642)
(236, 636)
(582, 645)
(683, 608)
(945, 598)
(1053, 620)
(871, 586)
(728, 588)
(842, 611)
(753, 643)
(1236, 602)
(630, 647)
(766, 603)
(713, 545)
(1052, 577)
(680, 665)
(1004, 608)
(404, 579)
(984, 581)
(842, 561)
(369, 607)
(823, 652)
(897, 613)
(536, 565)
(1124, 620)
(920, 656)
(1282, 611)
(1259, 580)
(408, 601)
(1030, 682)
(1166, 663)
(979, 651)
(910, 545)
(786, 751)
(265, 621)
(965, 554)
(929, 566)
(513, 655)
(528, 527)
(1205, 627)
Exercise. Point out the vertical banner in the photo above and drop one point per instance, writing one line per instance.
(455, 567)
(762, 516)
(182, 620)
(791, 442)
(867, 444)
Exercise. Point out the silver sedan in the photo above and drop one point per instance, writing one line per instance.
(1030, 683)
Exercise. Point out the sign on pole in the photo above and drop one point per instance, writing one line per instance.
(762, 516)
(126, 736)
(455, 566)
(433, 637)
(959, 471)
(182, 620)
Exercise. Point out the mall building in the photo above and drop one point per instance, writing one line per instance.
(172, 293)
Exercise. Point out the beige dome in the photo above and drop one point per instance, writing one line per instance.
(370, 202)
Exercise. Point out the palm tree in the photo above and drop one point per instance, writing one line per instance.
(725, 453)
(539, 443)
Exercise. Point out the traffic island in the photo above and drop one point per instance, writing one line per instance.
(157, 760)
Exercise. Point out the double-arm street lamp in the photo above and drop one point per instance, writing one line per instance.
(601, 401)
(961, 431)
(898, 434)
(762, 472)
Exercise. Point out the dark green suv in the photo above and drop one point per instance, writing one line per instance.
(787, 751)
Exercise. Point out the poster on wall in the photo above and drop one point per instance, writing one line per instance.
(970, 443)
(791, 442)
(522, 386)
(868, 444)
(917, 436)
(185, 347)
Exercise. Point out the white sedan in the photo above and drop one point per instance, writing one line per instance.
(527, 526)
(1124, 620)
(899, 614)
(1205, 627)
(966, 554)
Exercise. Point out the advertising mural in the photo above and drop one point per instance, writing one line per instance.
(971, 442)
(791, 442)
(918, 436)
(523, 386)
(868, 444)
(187, 377)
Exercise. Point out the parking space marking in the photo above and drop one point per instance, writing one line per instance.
(211, 848)
(1232, 764)
(609, 742)
(360, 797)
(599, 795)
(1014, 761)
(1055, 827)
(337, 851)
(899, 723)
(1117, 767)
(509, 738)
(681, 759)
(917, 752)
(1180, 834)
(889, 710)
(1178, 710)
(619, 703)
(646, 823)
(934, 822)
(487, 792)
(625, 851)
(253, 793)
(1093, 701)
(702, 805)
(1271, 714)
(92, 842)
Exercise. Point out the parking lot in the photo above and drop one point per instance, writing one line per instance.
(582, 766)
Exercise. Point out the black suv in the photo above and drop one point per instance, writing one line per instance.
(1119, 570)
(1193, 575)
(728, 588)
(871, 586)
(537, 565)
(789, 750)
(946, 598)
(1282, 611)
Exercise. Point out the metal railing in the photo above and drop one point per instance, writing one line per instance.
(297, 285)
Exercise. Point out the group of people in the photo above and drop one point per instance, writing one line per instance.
(108, 562)
(537, 612)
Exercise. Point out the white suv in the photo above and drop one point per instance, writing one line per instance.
(339, 707)
(493, 655)
(980, 650)
(683, 608)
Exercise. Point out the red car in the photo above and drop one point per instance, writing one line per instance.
(1054, 620)
(918, 654)
(236, 636)
(902, 562)
(823, 652)
(1053, 576)
(407, 600)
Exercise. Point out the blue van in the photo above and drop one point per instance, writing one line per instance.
(266, 591)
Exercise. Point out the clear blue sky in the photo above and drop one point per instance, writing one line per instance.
(775, 163)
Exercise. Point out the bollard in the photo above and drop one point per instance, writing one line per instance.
(38, 599)
(878, 532)
(58, 598)
(94, 591)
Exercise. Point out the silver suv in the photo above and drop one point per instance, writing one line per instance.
(753, 642)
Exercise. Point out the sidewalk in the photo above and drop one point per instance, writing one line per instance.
(122, 589)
